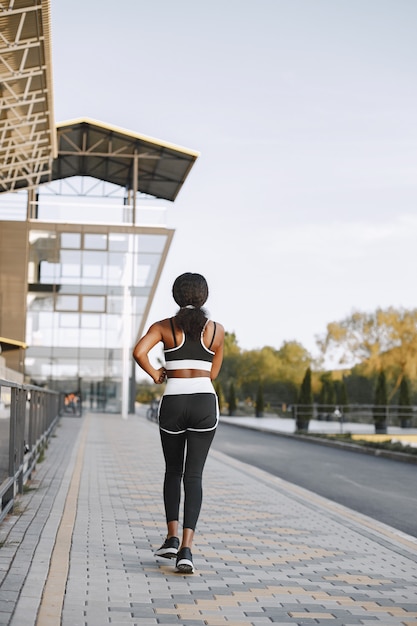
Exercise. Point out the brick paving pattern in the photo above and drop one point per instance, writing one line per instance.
(265, 551)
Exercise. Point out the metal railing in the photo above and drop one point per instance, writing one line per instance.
(28, 415)
(386, 415)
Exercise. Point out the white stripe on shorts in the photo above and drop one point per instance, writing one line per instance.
(199, 384)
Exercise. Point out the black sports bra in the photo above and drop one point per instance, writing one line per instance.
(191, 353)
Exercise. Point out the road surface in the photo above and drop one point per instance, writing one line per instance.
(383, 489)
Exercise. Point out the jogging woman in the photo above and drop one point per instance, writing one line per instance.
(188, 413)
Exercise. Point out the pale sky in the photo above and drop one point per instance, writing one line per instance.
(302, 205)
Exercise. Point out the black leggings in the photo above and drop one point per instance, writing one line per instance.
(195, 445)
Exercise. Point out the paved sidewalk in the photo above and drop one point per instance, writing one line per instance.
(265, 552)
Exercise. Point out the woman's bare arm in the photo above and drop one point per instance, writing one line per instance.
(142, 349)
(218, 352)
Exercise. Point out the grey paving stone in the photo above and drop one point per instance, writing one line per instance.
(267, 553)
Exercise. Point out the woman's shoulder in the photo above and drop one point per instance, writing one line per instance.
(216, 325)
(164, 323)
(214, 331)
(160, 327)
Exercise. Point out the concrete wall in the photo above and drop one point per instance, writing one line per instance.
(13, 287)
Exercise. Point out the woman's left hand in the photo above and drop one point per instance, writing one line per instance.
(160, 377)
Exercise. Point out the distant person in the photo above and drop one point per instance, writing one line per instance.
(188, 413)
(70, 403)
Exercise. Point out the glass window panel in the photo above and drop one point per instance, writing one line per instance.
(66, 337)
(91, 337)
(33, 365)
(69, 369)
(46, 321)
(94, 264)
(113, 331)
(71, 240)
(46, 368)
(91, 368)
(115, 267)
(114, 304)
(39, 328)
(118, 369)
(142, 273)
(70, 264)
(89, 320)
(66, 303)
(150, 243)
(112, 322)
(139, 305)
(145, 269)
(69, 320)
(47, 272)
(119, 242)
(94, 303)
(95, 241)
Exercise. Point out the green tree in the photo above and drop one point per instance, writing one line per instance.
(327, 396)
(260, 401)
(294, 359)
(385, 339)
(232, 400)
(280, 371)
(380, 404)
(305, 403)
(231, 345)
(146, 392)
(342, 394)
(404, 402)
(360, 388)
(257, 366)
(342, 399)
(231, 359)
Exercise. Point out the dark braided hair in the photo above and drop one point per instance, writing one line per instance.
(190, 292)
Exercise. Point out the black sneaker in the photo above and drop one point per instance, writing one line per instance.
(184, 562)
(169, 548)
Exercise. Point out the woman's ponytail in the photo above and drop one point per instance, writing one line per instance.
(190, 292)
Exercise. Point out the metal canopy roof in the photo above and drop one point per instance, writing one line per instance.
(27, 129)
(33, 151)
(137, 162)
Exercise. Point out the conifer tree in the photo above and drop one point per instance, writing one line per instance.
(305, 402)
(260, 401)
(404, 402)
(342, 396)
(380, 404)
(232, 399)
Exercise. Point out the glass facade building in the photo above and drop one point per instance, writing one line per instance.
(82, 247)
(86, 290)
